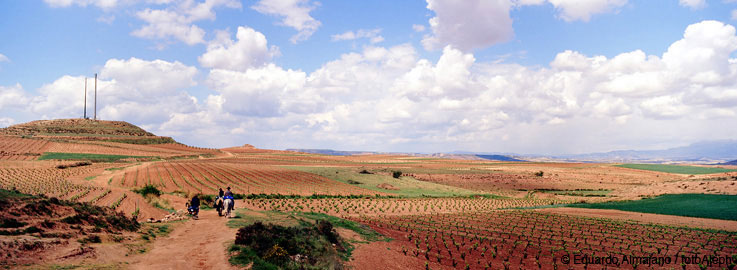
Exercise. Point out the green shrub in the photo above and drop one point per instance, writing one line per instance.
(396, 174)
(271, 246)
(148, 189)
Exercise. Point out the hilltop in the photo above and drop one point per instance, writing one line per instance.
(85, 130)
(91, 140)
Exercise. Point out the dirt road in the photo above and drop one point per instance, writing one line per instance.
(197, 244)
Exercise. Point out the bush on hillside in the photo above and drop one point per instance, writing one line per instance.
(148, 189)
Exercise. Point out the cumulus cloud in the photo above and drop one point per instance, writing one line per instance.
(12, 97)
(418, 28)
(136, 90)
(373, 35)
(4, 58)
(177, 21)
(6, 121)
(156, 77)
(468, 24)
(294, 14)
(389, 98)
(262, 92)
(576, 10)
(250, 50)
(702, 55)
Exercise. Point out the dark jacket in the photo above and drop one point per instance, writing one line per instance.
(195, 202)
(220, 193)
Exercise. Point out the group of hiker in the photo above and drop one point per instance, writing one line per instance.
(194, 204)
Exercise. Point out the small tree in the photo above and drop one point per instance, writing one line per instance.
(539, 174)
(396, 174)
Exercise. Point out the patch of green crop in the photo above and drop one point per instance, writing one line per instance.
(688, 205)
(678, 169)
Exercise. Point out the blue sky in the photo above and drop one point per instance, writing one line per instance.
(528, 76)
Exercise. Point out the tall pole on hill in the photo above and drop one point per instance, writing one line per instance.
(85, 97)
(95, 96)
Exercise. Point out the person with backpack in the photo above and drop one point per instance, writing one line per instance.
(194, 206)
(229, 195)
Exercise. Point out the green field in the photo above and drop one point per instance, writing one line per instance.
(688, 205)
(679, 169)
(408, 186)
(82, 156)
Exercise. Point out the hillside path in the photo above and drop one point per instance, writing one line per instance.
(196, 244)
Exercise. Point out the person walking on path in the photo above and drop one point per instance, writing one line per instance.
(229, 195)
(194, 206)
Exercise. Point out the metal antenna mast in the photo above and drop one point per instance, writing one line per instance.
(95, 96)
(85, 97)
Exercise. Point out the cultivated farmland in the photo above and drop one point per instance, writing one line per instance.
(390, 211)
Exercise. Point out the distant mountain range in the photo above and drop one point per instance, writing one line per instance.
(733, 162)
(332, 152)
(499, 158)
(701, 152)
(722, 152)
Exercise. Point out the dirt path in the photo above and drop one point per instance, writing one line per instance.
(197, 244)
(705, 223)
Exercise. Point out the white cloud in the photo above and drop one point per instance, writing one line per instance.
(694, 4)
(373, 35)
(250, 50)
(259, 92)
(702, 55)
(4, 58)
(12, 97)
(577, 10)
(388, 98)
(140, 91)
(418, 28)
(177, 21)
(146, 78)
(468, 25)
(294, 13)
(665, 107)
(6, 121)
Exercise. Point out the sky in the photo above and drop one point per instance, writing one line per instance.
(521, 76)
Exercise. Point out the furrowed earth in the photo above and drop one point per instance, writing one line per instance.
(86, 194)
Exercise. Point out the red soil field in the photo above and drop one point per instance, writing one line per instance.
(16, 148)
(527, 240)
(390, 206)
(206, 177)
